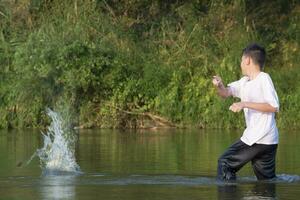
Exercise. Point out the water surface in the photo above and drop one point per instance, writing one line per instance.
(161, 164)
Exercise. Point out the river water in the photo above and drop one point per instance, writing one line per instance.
(158, 164)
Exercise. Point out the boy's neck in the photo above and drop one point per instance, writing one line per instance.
(254, 73)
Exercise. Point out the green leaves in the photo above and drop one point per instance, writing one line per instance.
(113, 62)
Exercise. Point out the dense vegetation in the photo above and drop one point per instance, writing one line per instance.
(116, 63)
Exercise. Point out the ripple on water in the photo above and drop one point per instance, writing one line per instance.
(61, 178)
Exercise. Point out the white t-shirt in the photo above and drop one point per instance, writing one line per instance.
(260, 126)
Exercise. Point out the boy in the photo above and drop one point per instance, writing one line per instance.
(259, 102)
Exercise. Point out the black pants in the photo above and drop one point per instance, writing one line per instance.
(238, 154)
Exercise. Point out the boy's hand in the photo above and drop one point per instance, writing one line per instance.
(237, 107)
(217, 81)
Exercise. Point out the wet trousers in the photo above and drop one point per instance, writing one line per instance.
(262, 157)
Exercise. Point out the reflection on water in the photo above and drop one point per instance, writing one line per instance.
(57, 187)
(255, 191)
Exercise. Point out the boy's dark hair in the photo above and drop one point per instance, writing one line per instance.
(257, 53)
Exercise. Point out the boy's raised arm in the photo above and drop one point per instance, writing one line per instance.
(222, 90)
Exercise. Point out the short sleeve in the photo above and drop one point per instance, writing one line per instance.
(235, 87)
(269, 92)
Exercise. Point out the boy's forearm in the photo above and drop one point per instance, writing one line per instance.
(263, 107)
(222, 91)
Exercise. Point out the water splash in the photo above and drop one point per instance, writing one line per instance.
(57, 156)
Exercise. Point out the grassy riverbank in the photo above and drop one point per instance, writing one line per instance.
(125, 63)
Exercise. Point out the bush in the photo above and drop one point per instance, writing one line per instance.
(112, 62)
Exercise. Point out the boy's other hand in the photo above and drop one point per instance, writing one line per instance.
(236, 107)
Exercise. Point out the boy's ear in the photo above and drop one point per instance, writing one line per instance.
(248, 60)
